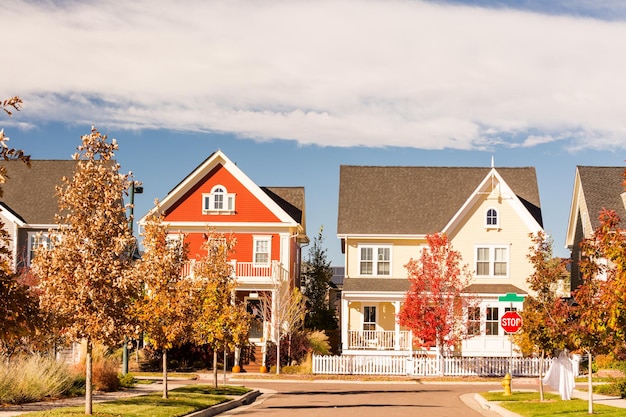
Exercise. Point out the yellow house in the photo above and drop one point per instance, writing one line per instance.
(384, 216)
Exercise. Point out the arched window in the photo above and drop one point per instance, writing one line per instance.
(218, 201)
(491, 219)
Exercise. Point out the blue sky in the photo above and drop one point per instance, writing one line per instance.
(292, 90)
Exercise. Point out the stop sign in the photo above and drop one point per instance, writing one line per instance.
(511, 322)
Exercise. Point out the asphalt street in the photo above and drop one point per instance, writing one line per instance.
(364, 399)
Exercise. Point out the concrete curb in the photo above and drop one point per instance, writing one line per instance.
(493, 406)
(247, 398)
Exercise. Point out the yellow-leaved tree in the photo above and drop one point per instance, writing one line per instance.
(165, 307)
(86, 278)
(220, 322)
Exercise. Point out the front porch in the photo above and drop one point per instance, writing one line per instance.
(385, 340)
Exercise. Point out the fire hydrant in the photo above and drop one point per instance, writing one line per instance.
(506, 383)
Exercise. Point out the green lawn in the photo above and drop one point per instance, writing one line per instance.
(527, 404)
(181, 401)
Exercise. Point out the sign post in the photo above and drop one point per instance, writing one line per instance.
(511, 321)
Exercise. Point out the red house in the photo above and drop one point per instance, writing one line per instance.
(267, 222)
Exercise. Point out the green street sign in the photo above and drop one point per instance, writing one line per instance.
(511, 298)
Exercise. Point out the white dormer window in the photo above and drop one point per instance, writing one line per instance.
(218, 201)
(491, 219)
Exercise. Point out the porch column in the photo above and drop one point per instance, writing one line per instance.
(344, 324)
(396, 339)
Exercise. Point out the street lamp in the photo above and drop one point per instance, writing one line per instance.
(134, 188)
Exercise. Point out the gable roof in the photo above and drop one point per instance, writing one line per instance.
(287, 203)
(29, 193)
(290, 199)
(596, 188)
(391, 200)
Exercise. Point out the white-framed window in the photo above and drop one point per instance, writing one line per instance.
(219, 200)
(492, 321)
(369, 317)
(375, 260)
(37, 240)
(262, 250)
(473, 321)
(492, 220)
(492, 261)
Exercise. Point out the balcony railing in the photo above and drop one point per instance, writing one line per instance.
(379, 340)
(244, 270)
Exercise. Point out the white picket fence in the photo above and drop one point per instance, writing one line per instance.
(426, 366)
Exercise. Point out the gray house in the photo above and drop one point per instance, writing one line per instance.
(29, 203)
(595, 188)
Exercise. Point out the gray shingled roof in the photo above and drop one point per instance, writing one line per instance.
(493, 289)
(402, 285)
(602, 189)
(418, 200)
(29, 193)
(376, 284)
(290, 199)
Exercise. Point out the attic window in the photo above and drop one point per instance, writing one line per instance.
(491, 219)
(219, 201)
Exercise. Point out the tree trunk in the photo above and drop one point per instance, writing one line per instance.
(541, 398)
(289, 350)
(165, 374)
(589, 383)
(88, 385)
(224, 367)
(215, 367)
(277, 355)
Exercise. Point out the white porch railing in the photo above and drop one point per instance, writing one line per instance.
(243, 269)
(379, 340)
(426, 366)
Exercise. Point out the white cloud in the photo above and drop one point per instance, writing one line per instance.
(345, 73)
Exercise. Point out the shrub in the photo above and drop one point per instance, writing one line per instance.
(33, 378)
(104, 369)
(318, 342)
(104, 374)
(127, 381)
(604, 361)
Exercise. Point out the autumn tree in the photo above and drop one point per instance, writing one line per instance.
(220, 322)
(164, 309)
(546, 316)
(284, 306)
(435, 303)
(85, 276)
(315, 285)
(601, 307)
(18, 305)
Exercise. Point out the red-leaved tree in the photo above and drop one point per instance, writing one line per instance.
(434, 306)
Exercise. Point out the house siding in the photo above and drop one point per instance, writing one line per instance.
(243, 249)
(402, 251)
(512, 233)
(247, 207)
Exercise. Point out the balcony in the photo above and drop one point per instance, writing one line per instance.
(247, 271)
(379, 340)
